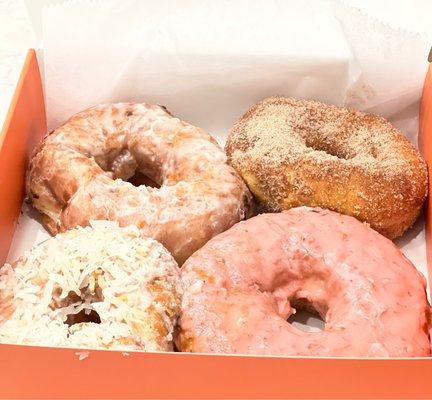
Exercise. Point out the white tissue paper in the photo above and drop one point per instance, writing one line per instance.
(209, 61)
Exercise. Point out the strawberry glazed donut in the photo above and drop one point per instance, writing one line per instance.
(80, 172)
(241, 287)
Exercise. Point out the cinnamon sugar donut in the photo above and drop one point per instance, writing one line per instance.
(99, 287)
(241, 287)
(80, 171)
(297, 152)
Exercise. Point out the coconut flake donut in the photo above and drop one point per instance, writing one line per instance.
(79, 173)
(241, 287)
(100, 287)
(304, 153)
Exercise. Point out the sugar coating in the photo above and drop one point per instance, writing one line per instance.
(299, 152)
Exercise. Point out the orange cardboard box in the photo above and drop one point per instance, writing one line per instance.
(35, 372)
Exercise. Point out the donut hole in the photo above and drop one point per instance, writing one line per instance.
(306, 318)
(86, 315)
(123, 165)
(81, 303)
(139, 179)
(334, 149)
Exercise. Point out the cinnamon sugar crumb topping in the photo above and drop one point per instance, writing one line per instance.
(288, 149)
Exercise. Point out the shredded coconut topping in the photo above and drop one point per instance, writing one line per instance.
(95, 287)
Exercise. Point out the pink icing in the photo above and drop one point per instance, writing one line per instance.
(240, 288)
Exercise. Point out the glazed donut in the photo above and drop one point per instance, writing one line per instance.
(241, 287)
(100, 287)
(297, 152)
(79, 173)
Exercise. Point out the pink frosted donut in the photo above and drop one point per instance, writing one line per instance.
(241, 287)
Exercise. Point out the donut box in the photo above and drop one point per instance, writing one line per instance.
(54, 372)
